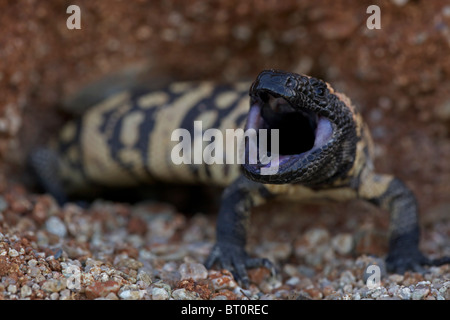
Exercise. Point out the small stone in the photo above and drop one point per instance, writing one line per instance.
(159, 294)
(34, 271)
(131, 294)
(55, 226)
(442, 111)
(101, 289)
(393, 290)
(404, 293)
(343, 243)
(65, 294)
(54, 296)
(129, 263)
(378, 292)
(269, 285)
(293, 281)
(420, 292)
(202, 288)
(446, 11)
(314, 293)
(112, 296)
(412, 278)
(54, 265)
(12, 288)
(258, 275)
(274, 250)
(32, 263)
(266, 46)
(13, 252)
(306, 271)
(399, 3)
(221, 280)
(317, 236)
(314, 246)
(445, 287)
(21, 205)
(3, 206)
(387, 297)
(242, 32)
(328, 289)
(191, 270)
(348, 288)
(143, 33)
(144, 277)
(347, 277)
(136, 225)
(125, 294)
(397, 278)
(54, 285)
(25, 291)
(7, 267)
(183, 294)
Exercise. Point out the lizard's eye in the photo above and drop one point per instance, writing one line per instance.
(291, 83)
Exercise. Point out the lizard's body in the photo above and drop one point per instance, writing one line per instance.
(125, 141)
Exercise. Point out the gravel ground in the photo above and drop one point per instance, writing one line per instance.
(149, 250)
(152, 250)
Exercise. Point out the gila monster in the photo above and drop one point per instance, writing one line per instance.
(325, 152)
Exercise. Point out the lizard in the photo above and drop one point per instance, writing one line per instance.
(325, 152)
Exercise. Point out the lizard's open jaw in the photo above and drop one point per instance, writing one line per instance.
(302, 134)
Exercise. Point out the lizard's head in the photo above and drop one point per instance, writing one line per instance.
(317, 135)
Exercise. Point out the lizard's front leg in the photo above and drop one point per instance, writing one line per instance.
(392, 195)
(232, 224)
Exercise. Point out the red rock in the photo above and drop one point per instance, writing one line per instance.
(137, 226)
(7, 267)
(101, 289)
(258, 275)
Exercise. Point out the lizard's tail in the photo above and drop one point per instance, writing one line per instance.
(136, 77)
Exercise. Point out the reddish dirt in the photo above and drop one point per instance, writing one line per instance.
(399, 77)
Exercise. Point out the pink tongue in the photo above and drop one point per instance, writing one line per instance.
(253, 120)
(324, 131)
(253, 117)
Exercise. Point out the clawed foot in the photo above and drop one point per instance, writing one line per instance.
(414, 260)
(234, 258)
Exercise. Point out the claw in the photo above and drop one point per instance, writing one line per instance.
(213, 257)
(440, 261)
(234, 258)
(401, 262)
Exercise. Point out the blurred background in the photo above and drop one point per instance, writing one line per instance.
(398, 75)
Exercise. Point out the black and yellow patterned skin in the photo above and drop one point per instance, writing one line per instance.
(125, 141)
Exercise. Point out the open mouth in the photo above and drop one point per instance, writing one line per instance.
(301, 131)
